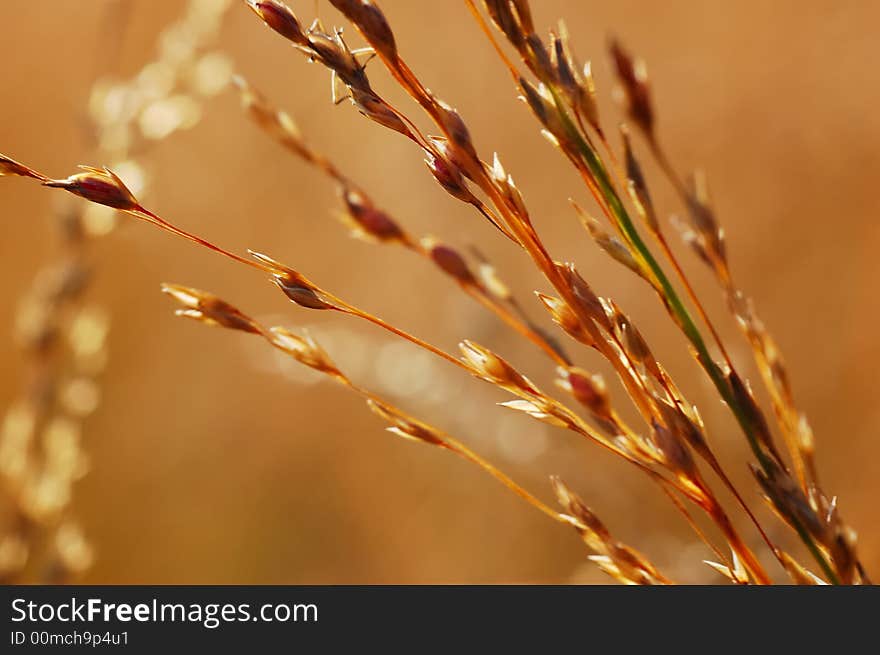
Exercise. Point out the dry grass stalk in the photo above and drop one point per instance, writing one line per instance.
(620, 561)
(103, 187)
(62, 334)
(822, 533)
(674, 444)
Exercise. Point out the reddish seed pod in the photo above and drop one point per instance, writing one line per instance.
(502, 14)
(456, 129)
(449, 261)
(449, 177)
(589, 391)
(280, 18)
(368, 219)
(372, 23)
(304, 296)
(635, 84)
(377, 110)
(100, 186)
(226, 315)
(676, 455)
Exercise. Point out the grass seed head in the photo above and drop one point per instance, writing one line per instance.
(579, 88)
(449, 176)
(378, 111)
(523, 15)
(540, 411)
(449, 261)
(752, 412)
(571, 502)
(565, 318)
(635, 345)
(98, 185)
(612, 246)
(589, 303)
(503, 13)
(491, 281)
(457, 130)
(543, 105)
(788, 498)
(492, 368)
(588, 105)
(618, 560)
(372, 23)
(703, 219)
(280, 18)
(638, 186)
(633, 76)
(302, 295)
(561, 88)
(303, 349)
(405, 426)
(683, 426)
(674, 453)
(505, 184)
(209, 309)
(588, 389)
(294, 284)
(695, 242)
(541, 60)
(366, 219)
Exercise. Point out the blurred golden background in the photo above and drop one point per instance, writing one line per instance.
(212, 461)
